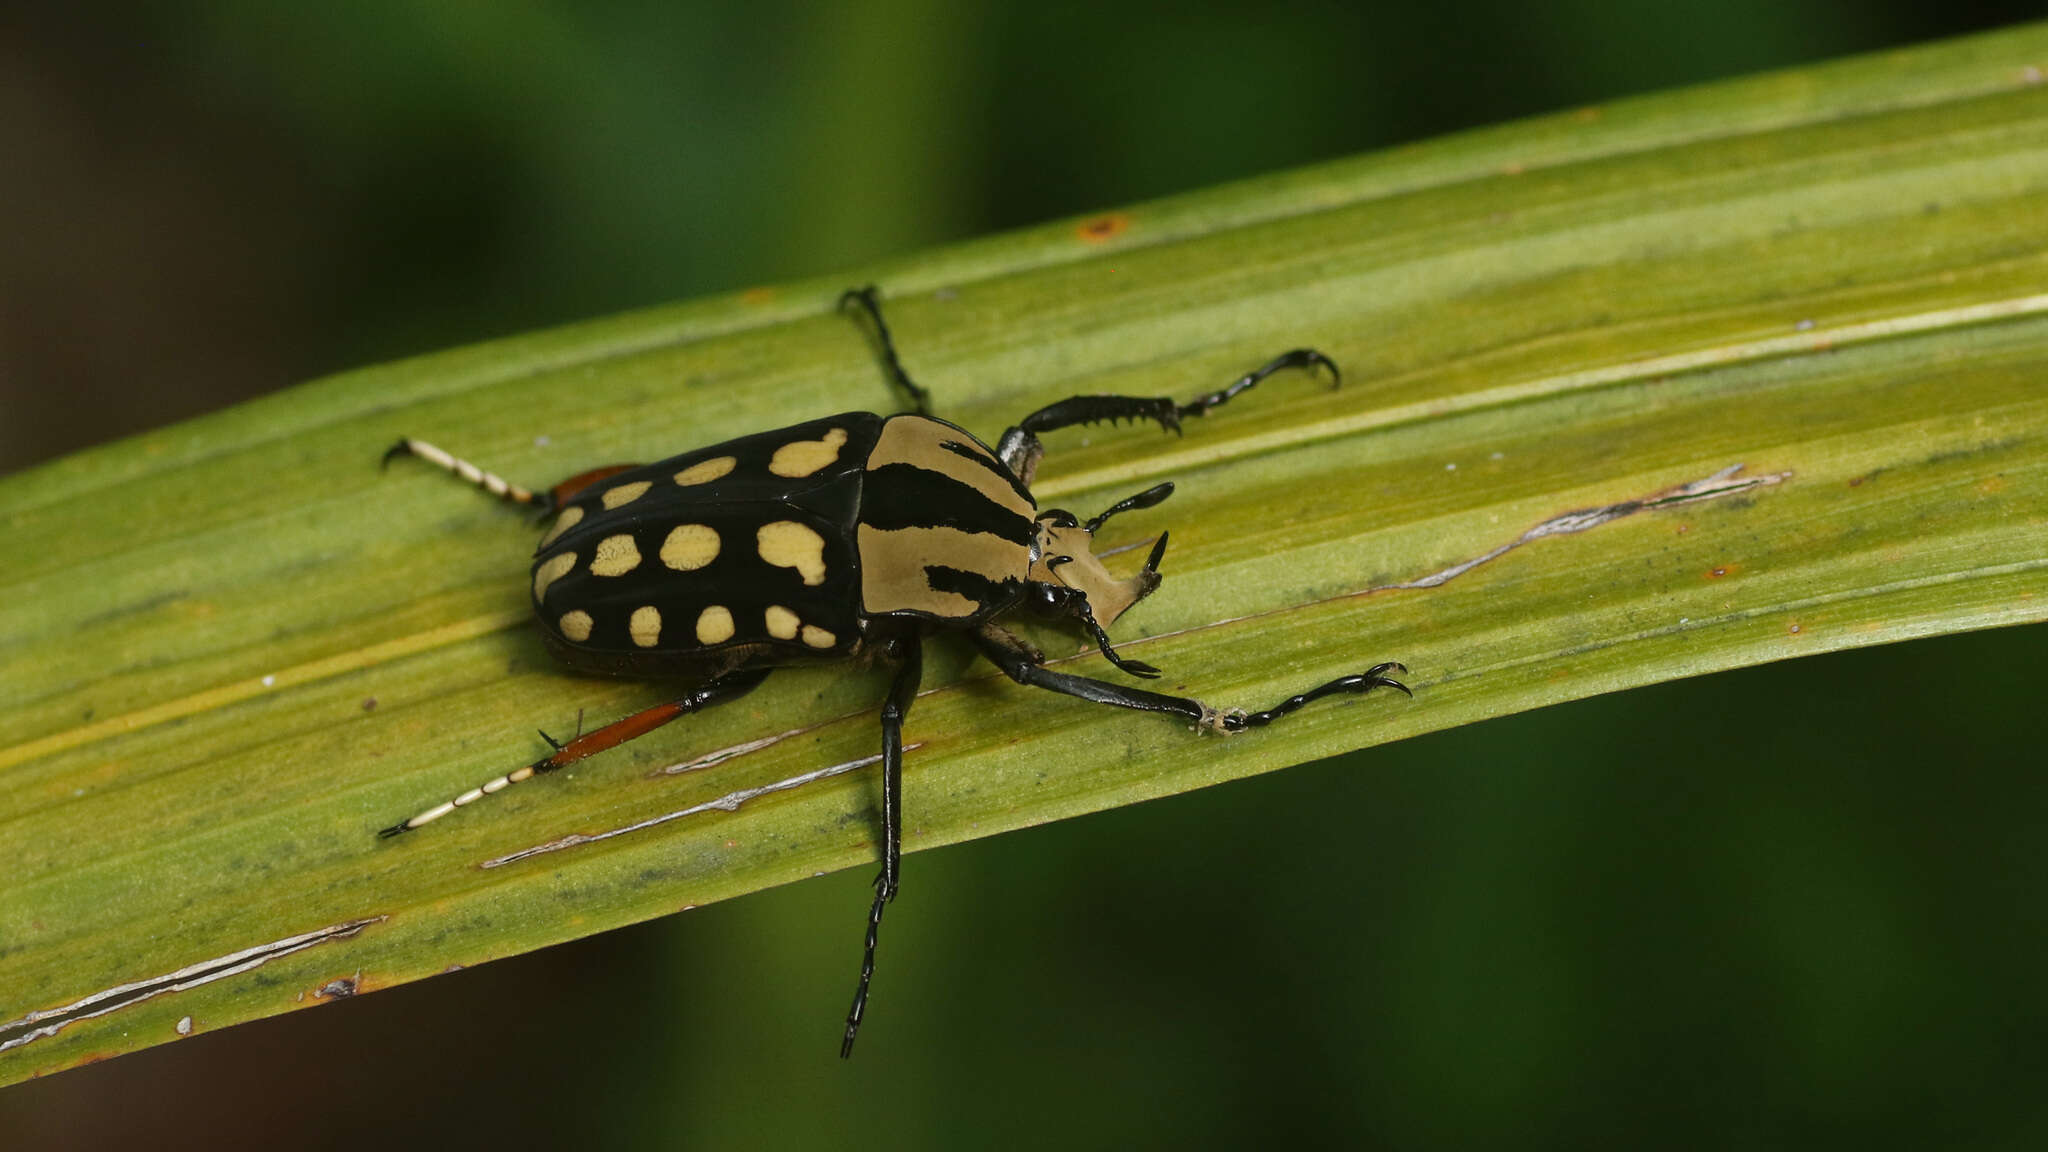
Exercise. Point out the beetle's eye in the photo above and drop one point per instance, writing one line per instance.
(1058, 518)
(1047, 599)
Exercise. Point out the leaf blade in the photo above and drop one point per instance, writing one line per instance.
(1534, 320)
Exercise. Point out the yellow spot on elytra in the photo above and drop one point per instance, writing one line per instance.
(576, 625)
(689, 547)
(817, 637)
(616, 556)
(705, 471)
(788, 544)
(781, 622)
(570, 517)
(550, 570)
(626, 493)
(645, 626)
(714, 625)
(803, 457)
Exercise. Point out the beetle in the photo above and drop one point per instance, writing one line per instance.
(852, 537)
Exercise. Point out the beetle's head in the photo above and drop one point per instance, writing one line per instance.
(1068, 579)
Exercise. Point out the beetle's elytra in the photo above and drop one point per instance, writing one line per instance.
(852, 536)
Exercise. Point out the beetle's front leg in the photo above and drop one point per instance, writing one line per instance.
(1019, 666)
(1020, 449)
(908, 653)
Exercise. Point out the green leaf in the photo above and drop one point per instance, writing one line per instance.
(1637, 392)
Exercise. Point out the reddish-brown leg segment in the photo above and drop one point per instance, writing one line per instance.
(569, 489)
(730, 686)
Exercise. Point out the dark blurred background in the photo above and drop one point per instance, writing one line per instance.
(1794, 905)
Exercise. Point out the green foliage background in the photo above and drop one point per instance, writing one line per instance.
(1796, 904)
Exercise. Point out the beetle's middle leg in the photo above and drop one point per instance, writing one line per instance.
(1020, 450)
(1004, 652)
(496, 485)
(908, 654)
(868, 299)
(719, 690)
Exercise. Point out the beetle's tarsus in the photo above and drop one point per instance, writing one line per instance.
(1366, 681)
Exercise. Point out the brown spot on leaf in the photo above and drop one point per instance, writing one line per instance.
(1107, 226)
(1720, 570)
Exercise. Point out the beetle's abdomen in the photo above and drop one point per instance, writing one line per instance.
(945, 530)
(747, 545)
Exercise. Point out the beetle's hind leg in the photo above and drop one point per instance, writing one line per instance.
(462, 469)
(730, 686)
(1019, 666)
(542, 502)
(867, 301)
(1020, 450)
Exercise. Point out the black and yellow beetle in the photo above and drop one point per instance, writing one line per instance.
(845, 538)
